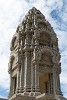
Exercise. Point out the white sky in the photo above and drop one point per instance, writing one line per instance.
(12, 13)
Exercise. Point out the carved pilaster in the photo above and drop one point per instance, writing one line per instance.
(58, 88)
(27, 77)
(51, 83)
(36, 78)
(11, 85)
(18, 80)
(32, 72)
(54, 79)
(22, 74)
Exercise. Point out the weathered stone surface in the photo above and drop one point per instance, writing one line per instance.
(34, 64)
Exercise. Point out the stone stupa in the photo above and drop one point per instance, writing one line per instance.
(34, 64)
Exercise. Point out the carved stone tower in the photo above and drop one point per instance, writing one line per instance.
(34, 65)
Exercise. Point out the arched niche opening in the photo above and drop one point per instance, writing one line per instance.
(46, 56)
(12, 62)
(41, 24)
(46, 83)
(45, 39)
(13, 43)
(39, 17)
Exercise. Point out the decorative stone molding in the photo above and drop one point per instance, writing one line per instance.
(34, 64)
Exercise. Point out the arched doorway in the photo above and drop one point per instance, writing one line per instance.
(44, 82)
(45, 73)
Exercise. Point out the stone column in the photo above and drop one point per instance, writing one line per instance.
(11, 85)
(33, 79)
(36, 78)
(22, 74)
(32, 74)
(54, 79)
(18, 80)
(51, 84)
(59, 82)
(15, 84)
(27, 76)
(58, 89)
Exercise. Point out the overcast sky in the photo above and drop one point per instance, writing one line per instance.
(12, 13)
